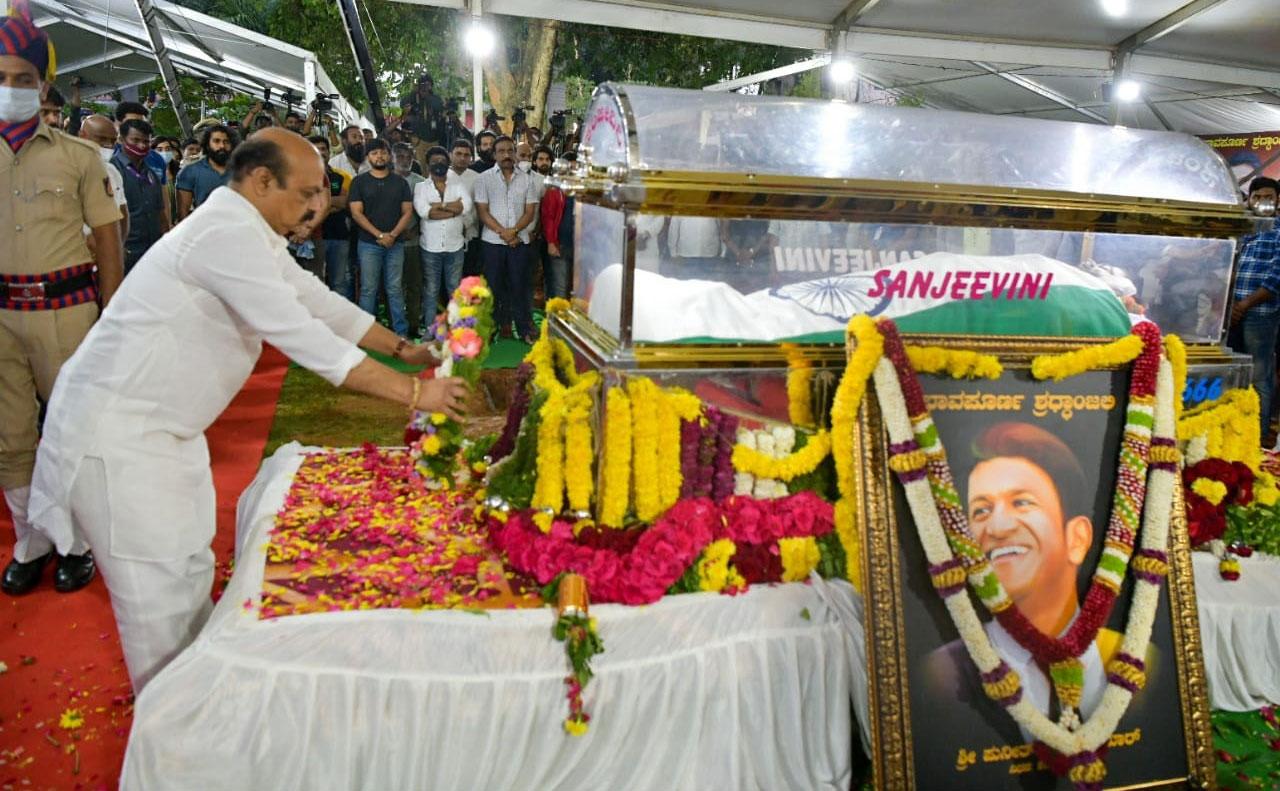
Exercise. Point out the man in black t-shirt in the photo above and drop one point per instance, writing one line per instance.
(381, 206)
(335, 230)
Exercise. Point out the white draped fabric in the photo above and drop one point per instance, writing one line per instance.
(698, 691)
(1240, 628)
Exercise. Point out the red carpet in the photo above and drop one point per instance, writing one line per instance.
(60, 651)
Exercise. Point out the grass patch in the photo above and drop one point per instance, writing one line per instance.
(314, 412)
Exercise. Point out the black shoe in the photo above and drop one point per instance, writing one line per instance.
(73, 572)
(20, 578)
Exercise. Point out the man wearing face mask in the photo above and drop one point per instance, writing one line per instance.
(484, 151)
(442, 202)
(148, 209)
(506, 199)
(99, 130)
(198, 181)
(402, 155)
(125, 462)
(351, 159)
(51, 187)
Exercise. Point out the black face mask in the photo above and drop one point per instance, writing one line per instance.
(355, 152)
(219, 156)
(439, 169)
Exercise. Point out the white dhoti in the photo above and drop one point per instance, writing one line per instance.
(123, 461)
(160, 604)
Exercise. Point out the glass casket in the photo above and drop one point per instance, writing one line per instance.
(721, 238)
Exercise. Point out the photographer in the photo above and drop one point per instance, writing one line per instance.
(423, 116)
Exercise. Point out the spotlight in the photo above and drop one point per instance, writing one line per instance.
(479, 40)
(842, 70)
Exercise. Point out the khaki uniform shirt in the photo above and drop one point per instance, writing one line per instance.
(53, 187)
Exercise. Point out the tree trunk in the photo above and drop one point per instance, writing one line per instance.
(528, 79)
(540, 73)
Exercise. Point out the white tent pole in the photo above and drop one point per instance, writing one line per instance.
(477, 79)
(161, 54)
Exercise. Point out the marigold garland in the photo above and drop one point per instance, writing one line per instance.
(1090, 358)
(802, 462)
(1209, 489)
(578, 452)
(1176, 351)
(714, 572)
(644, 447)
(616, 483)
(844, 414)
(956, 363)
(799, 387)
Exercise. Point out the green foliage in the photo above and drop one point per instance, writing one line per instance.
(597, 54)
(1256, 526)
(809, 86)
(822, 481)
(514, 478)
(832, 563)
(909, 100)
(216, 101)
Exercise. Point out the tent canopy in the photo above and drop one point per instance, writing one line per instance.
(1205, 66)
(104, 42)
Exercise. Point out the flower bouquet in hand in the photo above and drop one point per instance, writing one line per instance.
(442, 455)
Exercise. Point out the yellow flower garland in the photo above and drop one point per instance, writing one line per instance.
(844, 414)
(1090, 358)
(956, 363)
(800, 556)
(578, 452)
(799, 390)
(644, 447)
(802, 462)
(616, 482)
(548, 489)
(1230, 425)
(1176, 351)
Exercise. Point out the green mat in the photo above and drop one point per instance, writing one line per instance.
(1248, 747)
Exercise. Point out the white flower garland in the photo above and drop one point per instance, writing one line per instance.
(1095, 732)
(776, 443)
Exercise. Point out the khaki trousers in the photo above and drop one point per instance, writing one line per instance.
(33, 347)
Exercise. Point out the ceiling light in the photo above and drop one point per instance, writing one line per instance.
(479, 40)
(1128, 90)
(842, 70)
(1115, 7)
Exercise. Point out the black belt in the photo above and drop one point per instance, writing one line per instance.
(45, 290)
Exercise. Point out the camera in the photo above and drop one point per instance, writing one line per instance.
(323, 103)
(452, 105)
(266, 99)
(558, 119)
(519, 114)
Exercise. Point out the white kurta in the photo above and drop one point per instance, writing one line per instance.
(173, 348)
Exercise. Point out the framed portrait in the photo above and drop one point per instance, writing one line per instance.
(1035, 466)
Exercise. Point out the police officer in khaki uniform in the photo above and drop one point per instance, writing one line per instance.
(51, 186)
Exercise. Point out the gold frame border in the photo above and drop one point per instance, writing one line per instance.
(892, 759)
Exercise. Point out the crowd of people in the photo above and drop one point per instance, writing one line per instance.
(412, 210)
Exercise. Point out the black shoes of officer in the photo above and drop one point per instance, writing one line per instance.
(73, 572)
(20, 578)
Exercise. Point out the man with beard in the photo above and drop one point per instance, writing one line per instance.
(484, 151)
(381, 206)
(124, 461)
(351, 159)
(148, 209)
(197, 181)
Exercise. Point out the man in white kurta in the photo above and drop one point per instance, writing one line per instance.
(123, 461)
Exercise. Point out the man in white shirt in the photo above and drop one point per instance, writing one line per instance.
(506, 200)
(461, 156)
(694, 244)
(123, 462)
(351, 159)
(441, 202)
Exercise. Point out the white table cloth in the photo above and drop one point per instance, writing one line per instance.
(1240, 628)
(699, 691)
